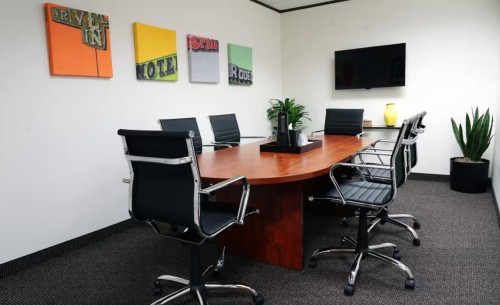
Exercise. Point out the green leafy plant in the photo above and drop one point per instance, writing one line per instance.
(477, 136)
(295, 111)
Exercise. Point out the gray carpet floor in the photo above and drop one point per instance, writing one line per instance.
(458, 262)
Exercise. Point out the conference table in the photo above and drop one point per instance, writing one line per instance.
(279, 186)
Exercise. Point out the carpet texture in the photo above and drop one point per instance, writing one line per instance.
(458, 262)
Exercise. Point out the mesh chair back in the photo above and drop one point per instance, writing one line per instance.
(413, 154)
(413, 147)
(184, 124)
(160, 191)
(225, 128)
(400, 161)
(400, 166)
(343, 121)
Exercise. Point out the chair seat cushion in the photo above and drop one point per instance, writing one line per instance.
(216, 215)
(360, 191)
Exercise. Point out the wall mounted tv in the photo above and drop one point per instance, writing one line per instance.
(373, 67)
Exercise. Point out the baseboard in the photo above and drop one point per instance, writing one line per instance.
(38, 257)
(496, 207)
(429, 177)
(434, 177)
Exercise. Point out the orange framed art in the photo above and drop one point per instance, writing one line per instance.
(78, 42)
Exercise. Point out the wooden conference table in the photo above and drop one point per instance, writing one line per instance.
(279, 185)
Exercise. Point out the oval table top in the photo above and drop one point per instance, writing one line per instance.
(270, 167)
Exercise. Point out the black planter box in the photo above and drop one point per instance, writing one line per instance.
(272, 147)
(469, 177)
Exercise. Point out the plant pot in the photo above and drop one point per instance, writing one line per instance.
(469, 177)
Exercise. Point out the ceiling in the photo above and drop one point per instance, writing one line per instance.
(283, 6)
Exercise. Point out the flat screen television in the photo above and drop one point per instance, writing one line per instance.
(373, 67)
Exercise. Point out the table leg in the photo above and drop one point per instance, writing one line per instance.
(275, 235)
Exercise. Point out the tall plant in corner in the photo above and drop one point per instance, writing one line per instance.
(470, 173)
(296, 112)
(477, 135)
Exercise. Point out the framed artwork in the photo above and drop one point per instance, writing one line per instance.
(78, 42)
(203, 58)
(155, 53)
(240, 64)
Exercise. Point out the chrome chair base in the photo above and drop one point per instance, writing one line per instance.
(199, 291)
(383, 217)
(198, 285)
(393, 219)
(349, 289)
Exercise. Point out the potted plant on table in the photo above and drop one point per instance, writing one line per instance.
(296, 114)
(469, 174)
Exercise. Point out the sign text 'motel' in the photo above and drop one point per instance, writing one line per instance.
(161, 67)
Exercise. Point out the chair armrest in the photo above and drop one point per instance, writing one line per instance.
(366, 172)
(253, 137)
(383, 141)
(360, 134)
(231, 144)
(378, 152)
(375, 150)
(374, 147)
(409, 141)
(357, 165)
(312, 133)
(244, 195)
(372, 153)
(215, 145)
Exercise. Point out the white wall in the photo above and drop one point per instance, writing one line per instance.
(495, 176)
(451, 63)
(60, 158)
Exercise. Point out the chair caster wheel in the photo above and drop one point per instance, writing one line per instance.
(410, 284)
(383, 221)
(258, 299)
(416, 242)
(344, 223)
(313, 262)
(157, 290)
(349, 290)
(396, 255)
(416, 225)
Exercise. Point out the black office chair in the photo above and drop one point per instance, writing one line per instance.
(363, 196)
(165, 188)
(343, 122)
(226, 130)
(409, 146)
(186, 124)
(411, 150)
(410, 160)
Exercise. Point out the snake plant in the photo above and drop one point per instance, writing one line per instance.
(477, 135)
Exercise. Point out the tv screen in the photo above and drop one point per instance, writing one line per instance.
(380, 66)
